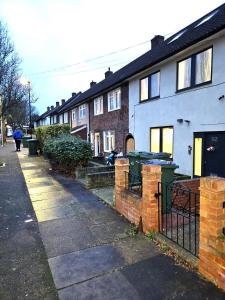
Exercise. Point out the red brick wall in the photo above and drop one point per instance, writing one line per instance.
(212, 222)
(138, 210)
(115, 120)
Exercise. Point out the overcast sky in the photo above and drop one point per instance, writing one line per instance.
(58, 40)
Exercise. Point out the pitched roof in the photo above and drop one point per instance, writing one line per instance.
(199, 30)
(69, 103)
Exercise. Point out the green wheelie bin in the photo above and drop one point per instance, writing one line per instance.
(25, 139)
(33, 146)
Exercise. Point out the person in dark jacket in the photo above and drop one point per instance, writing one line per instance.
(17, 135)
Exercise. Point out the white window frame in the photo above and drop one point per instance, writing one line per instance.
(82, 111)
(114, 100)
(111, 142)
(54, 119)
(61, 119)
(98, 106)
(65, 117)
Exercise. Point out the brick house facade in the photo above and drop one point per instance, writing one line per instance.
(115, 121)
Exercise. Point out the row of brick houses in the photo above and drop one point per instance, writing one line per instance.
(170, 99)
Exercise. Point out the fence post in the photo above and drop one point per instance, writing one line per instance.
(212, 230)
(121, 167)
(151, 175)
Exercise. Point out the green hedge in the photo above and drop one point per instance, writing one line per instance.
(68, 151)
(45, 132)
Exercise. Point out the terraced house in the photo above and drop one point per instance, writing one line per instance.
(170, 99)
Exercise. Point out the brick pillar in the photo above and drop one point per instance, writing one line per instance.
(121, 166)
(151, 175)
(212, 224)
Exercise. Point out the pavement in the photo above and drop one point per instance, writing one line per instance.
(24, 270)
(92, 251)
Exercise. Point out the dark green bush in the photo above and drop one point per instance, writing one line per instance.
(68, 151)
(45, 132)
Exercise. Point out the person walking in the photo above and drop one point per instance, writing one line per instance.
(17, 135)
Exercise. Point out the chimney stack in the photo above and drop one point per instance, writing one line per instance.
(57, 104)
(52, 107)
(74, 94)
(48, 108)
(63, 101)
(157, 41)
(92, 83)
(108, 73)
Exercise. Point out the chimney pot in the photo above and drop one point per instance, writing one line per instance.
(57, 103)
(92, 83)
(52, 107)
(74, 94)
(48, 108)
(108, 73)
(63, 101)
(157, 41)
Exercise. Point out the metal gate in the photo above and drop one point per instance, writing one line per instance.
(179, 215)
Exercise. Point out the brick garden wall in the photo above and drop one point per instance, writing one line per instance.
(138, 210)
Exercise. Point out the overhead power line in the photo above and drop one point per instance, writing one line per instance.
(88, 60)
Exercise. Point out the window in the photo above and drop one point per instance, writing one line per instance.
(195, 70)
(82, 111)
(55, 119)
(114, 100)
(98, 106)
(150, 87)
(66, 117)
(109, 141)
(198, 156)
(161, 139)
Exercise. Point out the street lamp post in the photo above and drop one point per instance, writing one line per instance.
(1, 116)
(28, 83)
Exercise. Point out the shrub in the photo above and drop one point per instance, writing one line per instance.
(68, 151)
(45, 132)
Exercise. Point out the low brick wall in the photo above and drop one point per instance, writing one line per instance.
(212, 230)
(100, 179)
(142, 211)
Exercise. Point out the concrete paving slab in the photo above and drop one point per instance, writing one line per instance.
(45, 189)
(109, 231)
(79, 266)
(63, 236)
(159, 278)
(135, 249)
(52, 203)
(50, 196)
(54, 213)
(113, 286)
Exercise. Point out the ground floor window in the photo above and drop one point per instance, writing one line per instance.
(161, 139)
(109, 140)
(198, 156)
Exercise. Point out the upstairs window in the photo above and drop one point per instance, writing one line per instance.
(98, 106)
(82, 111)
(114, 100)
(150, 87)
(195, 70)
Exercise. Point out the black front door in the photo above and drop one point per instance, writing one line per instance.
(213, 153)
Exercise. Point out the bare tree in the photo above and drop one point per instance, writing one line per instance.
(15, 108)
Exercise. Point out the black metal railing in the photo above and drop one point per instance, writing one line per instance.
(133, 182)
(179, 215)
